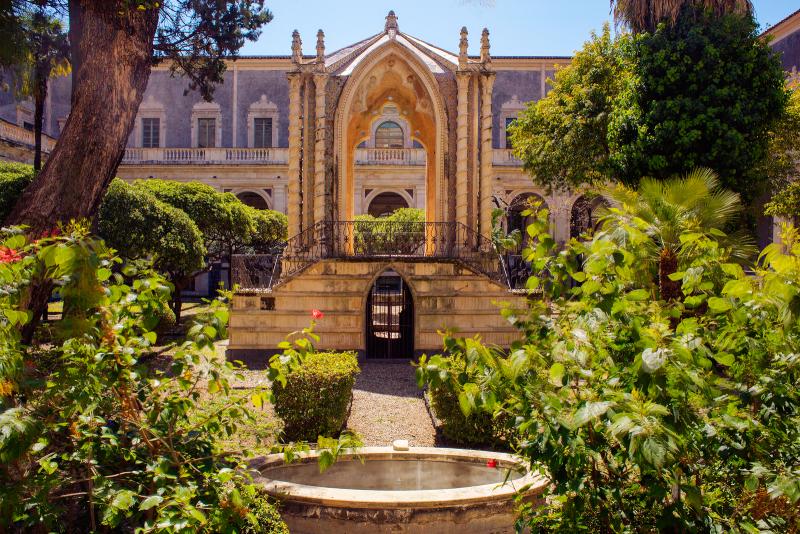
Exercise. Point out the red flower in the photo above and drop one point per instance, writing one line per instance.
(9, 255)
(316, 314)
(491, 463)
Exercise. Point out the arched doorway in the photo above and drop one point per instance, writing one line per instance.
(385, 204)
(253, 200)
(515, 220)
(390, 318)
(585, 215)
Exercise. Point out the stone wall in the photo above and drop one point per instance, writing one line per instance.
(446, 296)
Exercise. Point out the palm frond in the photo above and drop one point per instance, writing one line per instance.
(645, 15)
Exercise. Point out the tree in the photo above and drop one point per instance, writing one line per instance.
(113, 46)
(705, 92)
(562, 138)
(783, 163)
(139, 225)
(645, 15)
(45, 54)
(668, 210)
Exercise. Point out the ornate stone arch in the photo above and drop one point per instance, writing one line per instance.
(584, 213)
(434, 210)
(406, 275)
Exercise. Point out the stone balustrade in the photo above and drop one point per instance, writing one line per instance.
(16, 134)
(171, 156)
(504, 157)
(390, 156)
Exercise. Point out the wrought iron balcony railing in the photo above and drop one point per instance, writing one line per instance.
(372, 240)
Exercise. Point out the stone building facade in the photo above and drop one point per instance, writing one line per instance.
(390, 121)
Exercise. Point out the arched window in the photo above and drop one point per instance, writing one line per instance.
(389, 135)
(585, 215)
(385, 204)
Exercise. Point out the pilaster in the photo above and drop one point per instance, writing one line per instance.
(485, 203)
(295, 140)
(307, 159)
(320, 197)
(462, 149)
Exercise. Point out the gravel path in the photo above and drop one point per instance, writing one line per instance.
(388, 405)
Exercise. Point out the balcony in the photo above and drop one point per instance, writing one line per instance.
(371, 240)
(206, 156)
(504, 157)
(20, 136)
(390, 156)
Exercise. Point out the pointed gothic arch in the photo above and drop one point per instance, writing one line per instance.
(346, 141)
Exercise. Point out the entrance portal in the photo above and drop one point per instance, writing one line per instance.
(390, 318)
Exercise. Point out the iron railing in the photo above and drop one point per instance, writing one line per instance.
(367, 240)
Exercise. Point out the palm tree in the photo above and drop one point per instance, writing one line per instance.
(694, 203)
(645, 15)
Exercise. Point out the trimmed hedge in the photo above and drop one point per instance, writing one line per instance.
(14, 178)
(317, 395)
(479, 429)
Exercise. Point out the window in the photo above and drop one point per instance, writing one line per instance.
(151, 133)
(389, 135)
(28, 126)
(509, 122)
(206, 133)
(262, 133)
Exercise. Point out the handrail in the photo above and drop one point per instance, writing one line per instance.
(17, 134)
(277, 156)
(373, 240)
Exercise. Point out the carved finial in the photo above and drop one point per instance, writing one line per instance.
(485, 57)
(320, 46)
(391, 23)
(462, 49)
(297, 48)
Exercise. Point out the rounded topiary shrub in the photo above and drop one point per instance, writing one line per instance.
(479, 429)
(317, 395)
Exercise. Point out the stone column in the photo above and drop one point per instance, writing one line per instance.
(308, 163)
(295, 140)
(320, 198)
(485, 204)
(462, 151)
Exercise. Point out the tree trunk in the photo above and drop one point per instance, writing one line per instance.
(668, 264)
(112, 58)
(111, 46)
(39, 97)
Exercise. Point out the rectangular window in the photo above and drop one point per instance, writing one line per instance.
(262, 133)
(27, 125)
(206, 133)
(151, 132)
(509, 122)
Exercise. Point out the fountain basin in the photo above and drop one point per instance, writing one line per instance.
(419, 491)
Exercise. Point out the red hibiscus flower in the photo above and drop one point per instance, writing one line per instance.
(316, 314)
(9, 255)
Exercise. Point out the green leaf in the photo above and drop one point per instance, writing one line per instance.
(150, 502)
(589, 411)
(638, 295)
(719, 305)
(557, 371)
(724, 358)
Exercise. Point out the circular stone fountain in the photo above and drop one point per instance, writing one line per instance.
(418, 491)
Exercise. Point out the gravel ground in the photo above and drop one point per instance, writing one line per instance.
(388, 405)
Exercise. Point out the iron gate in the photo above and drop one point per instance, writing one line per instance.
(390, 319)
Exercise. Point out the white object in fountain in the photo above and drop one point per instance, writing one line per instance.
(400, 445)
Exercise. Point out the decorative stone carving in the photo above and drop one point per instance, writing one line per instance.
(485, 56)
(486, 192)
(293, 205)
(321, 48)
(391, 24)
(463, 45)
(297, 48)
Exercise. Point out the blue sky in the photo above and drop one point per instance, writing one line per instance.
(518, 27)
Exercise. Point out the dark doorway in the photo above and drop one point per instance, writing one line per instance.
(390, 318)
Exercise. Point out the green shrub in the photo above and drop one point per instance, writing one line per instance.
(166, 320)
(14, 178)
(263, 516)
(316, 396)
(479, 428)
